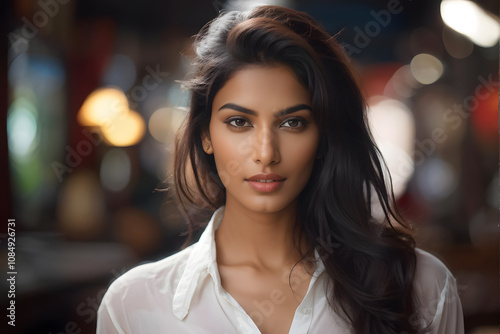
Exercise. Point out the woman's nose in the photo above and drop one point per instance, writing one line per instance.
(266, 147)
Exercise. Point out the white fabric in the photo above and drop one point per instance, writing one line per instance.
(183, 294)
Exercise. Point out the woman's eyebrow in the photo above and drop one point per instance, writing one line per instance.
(283, 112)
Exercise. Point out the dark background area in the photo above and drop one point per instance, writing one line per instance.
(84, 199)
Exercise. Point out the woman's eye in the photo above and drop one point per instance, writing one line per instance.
(238, 122)
(293, 123)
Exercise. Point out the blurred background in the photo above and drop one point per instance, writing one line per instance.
(91, 100)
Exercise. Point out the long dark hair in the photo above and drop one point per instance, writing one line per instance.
(371, 265)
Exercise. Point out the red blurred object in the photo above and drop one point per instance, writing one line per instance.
(484, 113)
(375, 78)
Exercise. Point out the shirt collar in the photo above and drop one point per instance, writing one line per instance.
(202, 261)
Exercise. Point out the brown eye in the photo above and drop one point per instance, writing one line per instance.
(238, 122)
(293, 123)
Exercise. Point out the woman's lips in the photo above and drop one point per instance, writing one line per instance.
(274, 177)
(266, 182)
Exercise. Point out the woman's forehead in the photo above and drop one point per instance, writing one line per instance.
(265, 86)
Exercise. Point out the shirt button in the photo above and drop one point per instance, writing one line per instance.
(306, 310)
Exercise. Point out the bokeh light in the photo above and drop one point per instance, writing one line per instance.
(426, 68)
(115, 170)
(102, 106)
(22, 128)
(403, 83)
(18, 70)
(164, 123)
(484, 115)
(81, 206)
(469, 19)
(456, 44)
(393, 128)
(436, 179)
(124, 130)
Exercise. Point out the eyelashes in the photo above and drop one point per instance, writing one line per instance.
(238, 122)
(293, 124)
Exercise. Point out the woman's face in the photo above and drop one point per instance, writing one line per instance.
(262, 123)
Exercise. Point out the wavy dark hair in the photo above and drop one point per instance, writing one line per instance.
(371, 264)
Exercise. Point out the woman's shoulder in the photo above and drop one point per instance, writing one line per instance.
(438, 301)
(431, 271)
(163, 274)
(140, 292)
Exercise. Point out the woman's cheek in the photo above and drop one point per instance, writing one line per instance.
(227, 160)
(245, 146)
(300, 150)
(233, 167)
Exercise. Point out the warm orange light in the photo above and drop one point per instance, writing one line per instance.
(102, 106)
(125, 130)
(164, 123)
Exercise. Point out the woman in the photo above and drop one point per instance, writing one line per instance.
(277, 151)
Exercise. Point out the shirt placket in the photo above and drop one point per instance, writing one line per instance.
(237, 315)
(304, 313)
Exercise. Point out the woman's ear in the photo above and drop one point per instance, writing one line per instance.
(206, 142)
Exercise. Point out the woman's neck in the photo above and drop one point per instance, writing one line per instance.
(264, 241)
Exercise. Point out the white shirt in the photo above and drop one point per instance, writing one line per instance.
(183, 294)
